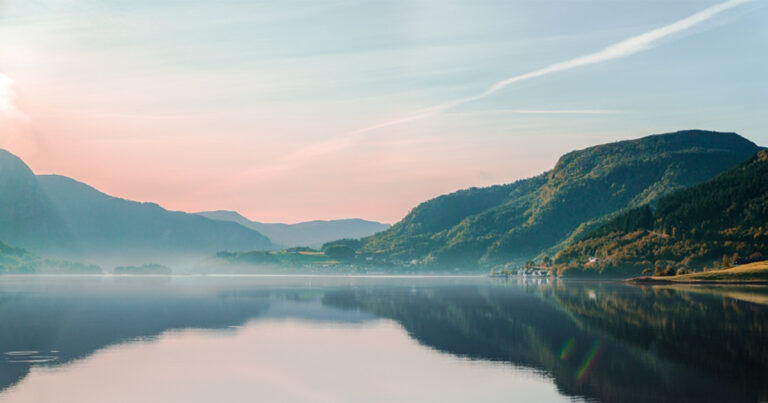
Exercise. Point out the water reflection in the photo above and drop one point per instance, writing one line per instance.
(599, 340)
(590, 340)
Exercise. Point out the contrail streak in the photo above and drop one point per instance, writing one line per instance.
(544, 111)
(618, 50)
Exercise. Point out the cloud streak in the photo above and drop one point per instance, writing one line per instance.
(542, 112)
(618, 50)
(627, 47)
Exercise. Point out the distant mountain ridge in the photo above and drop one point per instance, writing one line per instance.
(309, 233)
(705, 225)
(521, 220)
(27, 214)
(56, 215)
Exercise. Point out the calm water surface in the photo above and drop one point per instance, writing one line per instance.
(244, 339)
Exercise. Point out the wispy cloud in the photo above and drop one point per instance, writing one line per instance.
(627, 47)
(542, 112)
(618, 50)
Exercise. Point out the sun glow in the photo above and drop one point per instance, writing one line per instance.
(7, 106)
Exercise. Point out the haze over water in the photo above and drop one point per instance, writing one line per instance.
(336, 338)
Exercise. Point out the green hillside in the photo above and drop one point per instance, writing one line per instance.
(705, 226)
(519, 221)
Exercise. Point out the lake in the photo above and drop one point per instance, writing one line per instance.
(326, 338)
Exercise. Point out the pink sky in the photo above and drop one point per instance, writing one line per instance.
(374, 179)
(258, 106)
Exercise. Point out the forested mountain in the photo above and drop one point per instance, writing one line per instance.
(543, 214)
(707, 225)
(58, 216)
(309, 233)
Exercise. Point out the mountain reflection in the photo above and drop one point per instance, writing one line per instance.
(71, 321)
(596, 340)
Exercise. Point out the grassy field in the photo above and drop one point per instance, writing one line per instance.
(749, 273)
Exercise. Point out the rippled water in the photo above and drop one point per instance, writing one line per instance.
(244, 339)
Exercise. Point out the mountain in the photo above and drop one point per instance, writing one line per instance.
(521, 220)
(27, 216)
(707, 225)
(111, 226)
(310, 233)
(56, 215)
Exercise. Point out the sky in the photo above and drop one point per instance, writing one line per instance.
(289, 111)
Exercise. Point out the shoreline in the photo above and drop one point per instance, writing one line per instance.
(647, 280)
(751, 273)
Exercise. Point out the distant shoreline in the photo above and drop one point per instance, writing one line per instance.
(752, 273)
(647, 280)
